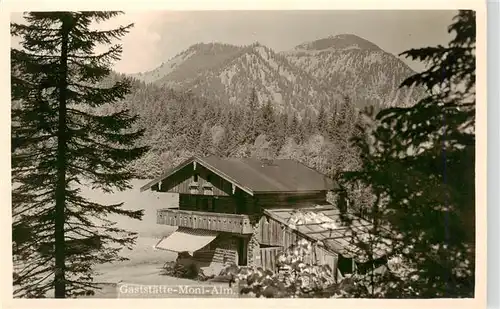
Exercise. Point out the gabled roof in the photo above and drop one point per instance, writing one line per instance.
(256, 176)
(322, 223)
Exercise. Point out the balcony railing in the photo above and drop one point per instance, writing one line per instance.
(232, 223)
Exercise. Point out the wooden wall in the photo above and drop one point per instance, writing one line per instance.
(246, 204)
(272, 234)
(242, 203)
(221, 204)
(290, 200)
(239, 203)
(223, 249)
(213, 257)
(183, 181)
(325, 257)
(268, 258)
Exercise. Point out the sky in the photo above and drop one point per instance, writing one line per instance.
(159, 35)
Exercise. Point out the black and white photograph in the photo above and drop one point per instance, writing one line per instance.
(244, 154)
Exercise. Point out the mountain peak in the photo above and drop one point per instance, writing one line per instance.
(298, 80)
(339, 42)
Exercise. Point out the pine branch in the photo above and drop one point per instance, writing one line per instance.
(58, 47)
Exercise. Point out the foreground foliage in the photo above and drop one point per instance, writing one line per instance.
(419, 164)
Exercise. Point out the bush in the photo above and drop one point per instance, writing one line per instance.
(178, 270)
(294, 279)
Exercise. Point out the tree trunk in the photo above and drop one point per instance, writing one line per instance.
(60, 191)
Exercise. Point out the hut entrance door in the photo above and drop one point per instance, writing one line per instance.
(242, 251)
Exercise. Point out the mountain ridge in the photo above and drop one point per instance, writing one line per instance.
(302, 79)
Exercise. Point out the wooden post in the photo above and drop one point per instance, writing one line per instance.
(342, 201)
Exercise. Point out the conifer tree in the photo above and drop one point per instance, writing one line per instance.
(280, 133)
(266, 120)
(293, 128)
(332, 127)
(321, 120)
(253, 101)
(342, 133)
(249, 131)
(223, 145)
(205, 146)
(62, 139)
(193, 131)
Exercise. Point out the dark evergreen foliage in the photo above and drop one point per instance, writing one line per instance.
(181, 127)
(62, 135)
(419, 164)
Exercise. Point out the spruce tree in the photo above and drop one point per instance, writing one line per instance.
(266, 120)
(249, 131)
(193, 131)
(62, 139)
(223, 146)
(253, 101)
(294, 127)
(341, 133)
(205, 146)
(280, 132)
(321, 120)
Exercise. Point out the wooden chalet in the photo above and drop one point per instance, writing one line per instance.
(246, 211)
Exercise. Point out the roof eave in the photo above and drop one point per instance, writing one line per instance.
(293, 191)
(225, 176)
(201, 162)
(167, 174)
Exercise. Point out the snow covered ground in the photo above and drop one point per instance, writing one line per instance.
(145, 263)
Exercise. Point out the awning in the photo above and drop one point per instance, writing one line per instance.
(186, 240)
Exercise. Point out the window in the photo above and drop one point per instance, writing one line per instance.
(208, 191)
(193, 186)
(207, 186)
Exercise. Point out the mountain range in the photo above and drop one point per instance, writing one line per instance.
(320, 72)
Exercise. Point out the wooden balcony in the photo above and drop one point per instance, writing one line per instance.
(231, 223)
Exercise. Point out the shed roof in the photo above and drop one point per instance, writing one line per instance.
(258, 176)
(323, 223)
